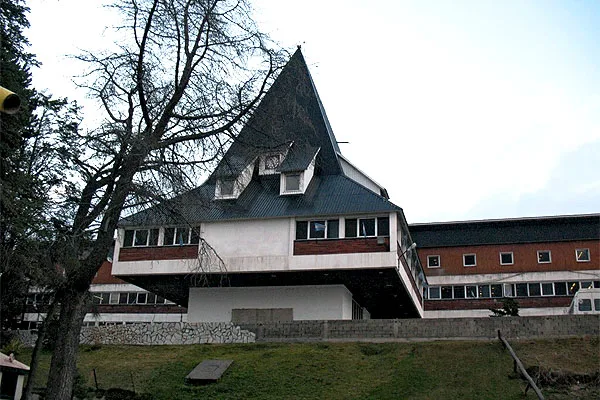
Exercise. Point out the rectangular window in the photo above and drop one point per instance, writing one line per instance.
(151, 299)
(160, 300)
(383, 226)
(509, 290)
(433, 261)
(140, 237)
(597, 304)
(141, 298)
(195, 236)
(521, 289)
(534, 289)
(573, 287)
(351, 227)
(366, 227)
(97, 298)
(585, 305)
(469, 260)
(459, 292)
(317, 229)
(507, 258)
(471, 291)
(131, 298)
(560, 288)
(582, 255)
(544, 257)
(587, 285)
(301, 230)
(292, 182)
(114, 298)
(122, 298)
(496, 290)
(333, 228)
(547, 289)
(434, 292)
(176, 236)
(446, 292)
(484, 291)
(227, 187)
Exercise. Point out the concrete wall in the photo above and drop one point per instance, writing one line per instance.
(429, 329)
(307, 302)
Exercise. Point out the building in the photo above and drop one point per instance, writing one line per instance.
(285, 228)
(541, 262)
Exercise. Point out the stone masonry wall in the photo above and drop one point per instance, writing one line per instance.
(429, 329)
(156, 334)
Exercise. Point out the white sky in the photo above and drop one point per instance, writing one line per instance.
(461, 109)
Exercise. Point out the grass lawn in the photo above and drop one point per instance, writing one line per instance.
(407, 370)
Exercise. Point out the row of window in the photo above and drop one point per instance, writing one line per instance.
(128, 298)
(161, 237)
(353, 227)
(529, 289)
(586, 305)
(508, 258)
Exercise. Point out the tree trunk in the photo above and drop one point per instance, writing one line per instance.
(64, 358)
(39, 343)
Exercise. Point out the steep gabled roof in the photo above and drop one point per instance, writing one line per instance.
(291, 113)
(290, 120)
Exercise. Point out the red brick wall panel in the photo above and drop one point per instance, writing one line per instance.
(340, 246)
(104, 275)
(524, 257)
(158, 253)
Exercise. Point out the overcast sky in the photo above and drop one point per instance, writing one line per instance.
(461, 109)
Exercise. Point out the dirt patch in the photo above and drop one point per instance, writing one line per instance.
(560, 385)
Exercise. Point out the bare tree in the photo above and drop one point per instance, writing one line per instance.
(186, 76)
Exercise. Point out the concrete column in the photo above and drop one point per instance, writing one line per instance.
(19, 388)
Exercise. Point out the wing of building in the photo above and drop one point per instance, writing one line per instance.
(285, 228)
(543, 263)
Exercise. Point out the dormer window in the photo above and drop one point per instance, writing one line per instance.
(227, 187)
(292, 182)
(269, 163)
(272, 161)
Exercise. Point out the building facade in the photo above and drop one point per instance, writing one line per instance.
(285, 228)
(539, 262)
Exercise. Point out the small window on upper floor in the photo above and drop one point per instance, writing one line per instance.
(469, 260)
(544, 257)
(507, 258)
(292, 183)
(227, 187)
(582, 255)
(433, 261)
(318, 229)
(180, 235)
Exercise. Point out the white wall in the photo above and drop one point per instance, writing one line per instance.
(307, 302)
(358, 176)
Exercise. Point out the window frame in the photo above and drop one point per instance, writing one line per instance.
(439, 261)
(149, 236)
(188, 240)
(474, 255)
(326, 232)
(358, 231)
(222, 185)
(586, 250)
(539, 252)
(286, 190)
(512, 257)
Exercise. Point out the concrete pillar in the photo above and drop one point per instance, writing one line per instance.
(19, 388)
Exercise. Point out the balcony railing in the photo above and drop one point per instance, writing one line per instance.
(412, 266)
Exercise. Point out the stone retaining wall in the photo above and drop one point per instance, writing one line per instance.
(429, 329)
(156, 333)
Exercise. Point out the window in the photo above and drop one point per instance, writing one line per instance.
(544, 257)
(459, 292)
(434, 292)
(597, 304)
(573, 287)
(560, 288)
(547, 289)
(471, 291)
(469, 260)
(507, 258)
(141, 237)
(587, 285)
(484, 291)
(151, 299)
(292, 183)
(433, 261)
(122, 298)
(176, 236)
(534, 289)
(509, 290)
(585, 305)
(227, 187)
(141, 298)
(521, 289)
(496, 290)
(446, 292)
(367, 227)
(582, 255)
(319, 229)
(114, 298)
